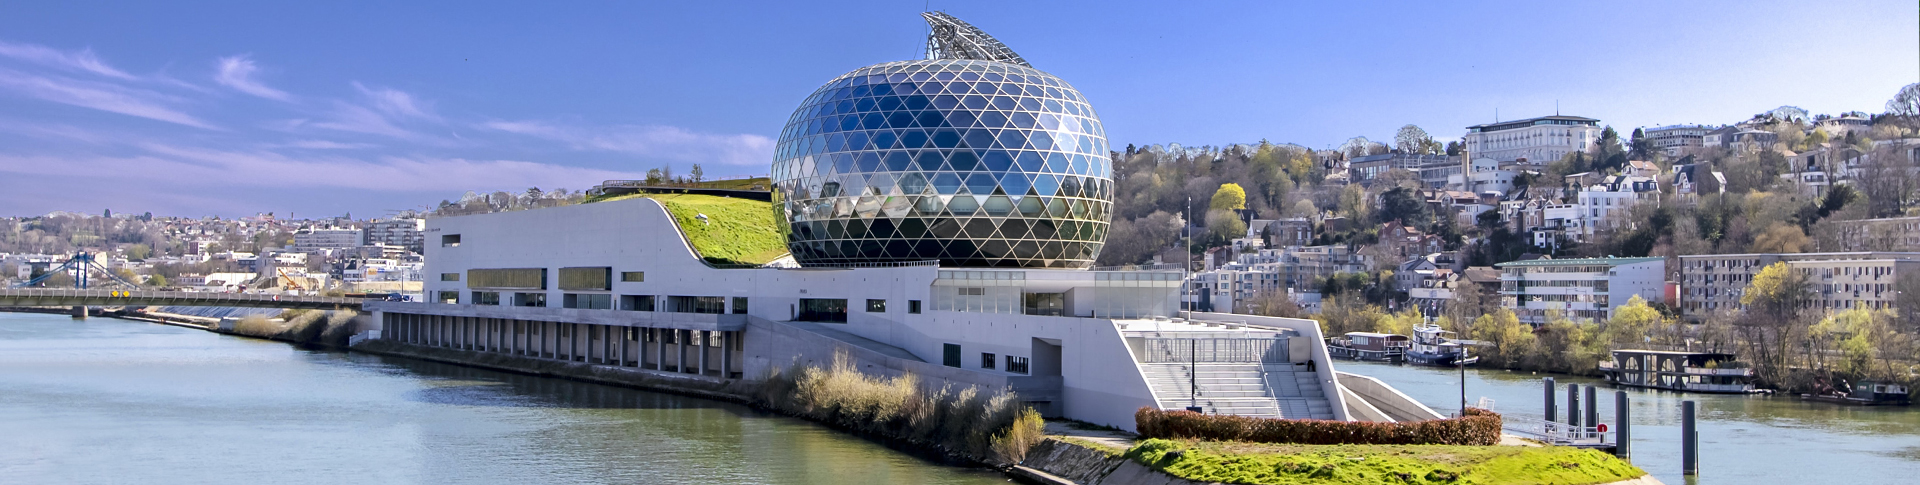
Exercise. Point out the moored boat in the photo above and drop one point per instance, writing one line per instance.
(1381, 347)
(1865, 393)
(1430, 346)
(1710, 372)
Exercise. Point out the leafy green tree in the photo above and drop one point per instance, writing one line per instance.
(1511, 340)
(1229, 197)
(1405, 205)
(1641, 147)
(157, 280)
(139, 252)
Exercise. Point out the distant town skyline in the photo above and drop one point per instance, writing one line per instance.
(213, 108)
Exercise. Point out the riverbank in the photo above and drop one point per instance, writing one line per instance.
(1075, 459)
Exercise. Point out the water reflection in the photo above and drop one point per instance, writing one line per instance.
(106, 401)
(1743, 438)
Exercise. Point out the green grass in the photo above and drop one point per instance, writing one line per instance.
(737, 231)
(1261, 463)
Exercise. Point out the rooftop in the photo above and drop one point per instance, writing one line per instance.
(1508, 125)
(1579, 261)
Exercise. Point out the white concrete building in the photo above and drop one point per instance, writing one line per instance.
(1606, 203)
(404, 232)
(1672, 140)
(1537, 140)
(619, 276)
(1585, 289)
(1712, 283)
(326, 239)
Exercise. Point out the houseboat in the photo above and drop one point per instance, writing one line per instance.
(1709, 372)
(1430, 346)
(1381, 347)
(1865, 393)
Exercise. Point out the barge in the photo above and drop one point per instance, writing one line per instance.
(1866, 393)
(1368, 346)
(1709, 372)
(1430, 346)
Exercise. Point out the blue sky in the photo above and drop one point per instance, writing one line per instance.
(229, 108)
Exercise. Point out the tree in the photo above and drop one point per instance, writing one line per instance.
(1229, 197)
(1413, 140)
(1359, 146)
(1772, 326)
(1502, 330)
(1405, 205)
(1223, 226)
(1781, 238)
(157, 280)
(138, 252)
(1906, 102)
(1273, 303)
(696, 172)
(1633, 322)
(1641, 147)
(1454, 148)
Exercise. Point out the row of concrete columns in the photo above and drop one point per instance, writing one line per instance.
(661, 349)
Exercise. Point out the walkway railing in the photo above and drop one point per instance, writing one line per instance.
(1215, 350)
(71, 297)
(1556, 433)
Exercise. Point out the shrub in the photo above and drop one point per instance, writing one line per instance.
(1476, 427)
(989, 425)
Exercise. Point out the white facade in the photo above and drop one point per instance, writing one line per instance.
(1674, 139)
(403, 232)
(1538, 140)
(1584, 289)
(1606, 202)
(320, 240)
(1060, 324)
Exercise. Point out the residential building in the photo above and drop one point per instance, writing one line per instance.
(1536, 140)
(1583, 289)
(1482, 176)
(1606, 202)
(1715, 282)
(1672, 140)
(326, 239)
(1739, 138)
(401, 231)
(1363, 170)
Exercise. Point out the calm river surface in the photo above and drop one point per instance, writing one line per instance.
(1743, 439)
(114, 401)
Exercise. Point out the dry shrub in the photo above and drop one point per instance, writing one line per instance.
(1476, 427)
(969, 422)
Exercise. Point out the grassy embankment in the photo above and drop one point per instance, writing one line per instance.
(1265, 463)
(990, 426)
(301, 326)
(737, 231)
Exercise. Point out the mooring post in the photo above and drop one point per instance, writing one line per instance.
(1689, 441)
(1593, 410)
(1621, 424)
(1573, 405)
(1550, 399)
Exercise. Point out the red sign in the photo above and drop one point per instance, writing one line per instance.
(1602, 427)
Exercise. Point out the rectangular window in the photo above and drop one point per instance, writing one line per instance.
(823, 310)
(633, 276)
(486, 298)
(636, 303)
(449, 276)
(530, 299)
(587, 279)
(972, 291)
(950, 355)
(450, 241)
(1049, 304)
(740, 305)
(588, 301)
(913, 306)
(987, 359)
(1017, 365)
(876, 306)
(449, 297)
(508, 278)
(697, 304)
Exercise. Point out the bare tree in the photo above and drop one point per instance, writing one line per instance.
(1413, 140)
(1906, 102)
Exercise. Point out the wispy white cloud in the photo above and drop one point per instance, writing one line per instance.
(101, 96)
(382, 111)
(326, 145)
(237, 72)
(81, 60)
(181, 167)
(394, 102)
(655, 141)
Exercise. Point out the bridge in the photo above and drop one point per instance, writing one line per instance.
(38, 297)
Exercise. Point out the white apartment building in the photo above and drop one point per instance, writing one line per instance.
(1483, 175)
(403, 232)
(1612, 197)
(1584, 289)
(324, 239)
(1715, 282)
(1537, 140)
(1295, 270)
(1674, 139)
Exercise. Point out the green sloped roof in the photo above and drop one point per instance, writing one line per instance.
(737, 231)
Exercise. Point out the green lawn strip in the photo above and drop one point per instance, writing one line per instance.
(737, 231)
(1259, 463)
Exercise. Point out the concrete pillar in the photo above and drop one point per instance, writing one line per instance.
(660, 349)
(1689, 441)
(1551, 411)
(1593, 408)
(680, 351)
(726, 354)
(79, 313)
(1573, 405)
(705, 341)
(1622, 427)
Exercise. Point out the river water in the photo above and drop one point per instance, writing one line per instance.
(114, 401)
(1743, 439)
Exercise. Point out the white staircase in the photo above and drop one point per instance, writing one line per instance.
(1249, 389)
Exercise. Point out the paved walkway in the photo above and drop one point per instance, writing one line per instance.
(1113, 439)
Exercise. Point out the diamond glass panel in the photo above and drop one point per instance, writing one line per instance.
(961, 161)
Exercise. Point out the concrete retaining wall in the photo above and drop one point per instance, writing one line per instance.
(1088, 466)
(1387, 399)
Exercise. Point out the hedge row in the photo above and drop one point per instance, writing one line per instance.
(1478, 427)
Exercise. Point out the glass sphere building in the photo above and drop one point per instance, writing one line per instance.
(979, 163)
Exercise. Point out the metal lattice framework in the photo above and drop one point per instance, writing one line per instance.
(953, 38)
